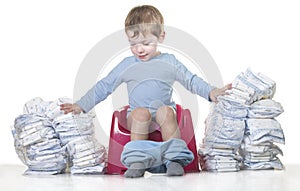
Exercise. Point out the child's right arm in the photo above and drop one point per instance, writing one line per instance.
(68, 107)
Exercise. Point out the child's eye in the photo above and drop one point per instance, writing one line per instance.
(141, 44)
(148, 43)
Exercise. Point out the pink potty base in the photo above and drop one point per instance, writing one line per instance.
(119, 136)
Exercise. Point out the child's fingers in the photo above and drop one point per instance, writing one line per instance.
(65, 106)
(227, 87)
(224, 89)
(67, 110)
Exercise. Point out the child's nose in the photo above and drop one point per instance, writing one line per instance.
(140, 48)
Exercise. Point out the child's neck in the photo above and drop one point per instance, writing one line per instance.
(157, 53)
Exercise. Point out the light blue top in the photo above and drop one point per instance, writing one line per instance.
(149, 83)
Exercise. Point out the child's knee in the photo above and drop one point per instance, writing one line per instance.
(141, 114)
(165, 113)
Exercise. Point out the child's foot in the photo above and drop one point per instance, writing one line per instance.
(135, 170)
(174, 169)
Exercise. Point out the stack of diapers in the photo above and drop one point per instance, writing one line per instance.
(86, 155)
(240, 130)
(37, 145)
(263, 131)
(49, 142)
(224, 132)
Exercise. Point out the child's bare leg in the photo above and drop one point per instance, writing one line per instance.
(138, 122)
(166, 118)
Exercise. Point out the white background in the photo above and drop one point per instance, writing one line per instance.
(42, 44)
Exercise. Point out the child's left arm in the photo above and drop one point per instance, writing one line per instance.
(214, 93)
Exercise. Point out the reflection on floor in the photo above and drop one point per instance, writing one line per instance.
(11, 179)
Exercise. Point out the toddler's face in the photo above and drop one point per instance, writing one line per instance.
(143, 47)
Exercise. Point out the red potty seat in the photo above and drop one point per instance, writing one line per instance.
(119, 136)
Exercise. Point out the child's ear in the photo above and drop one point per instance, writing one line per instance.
(161, 37)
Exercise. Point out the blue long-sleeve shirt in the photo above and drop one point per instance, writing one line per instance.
(149, 83)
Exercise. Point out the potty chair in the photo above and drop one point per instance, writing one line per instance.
(119, 136)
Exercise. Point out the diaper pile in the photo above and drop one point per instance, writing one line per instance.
(224, 132)
(49, 142)
(241, 130)
(37, 145)
(263, 131)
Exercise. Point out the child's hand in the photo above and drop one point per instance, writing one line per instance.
(214, 93)
(68, 107)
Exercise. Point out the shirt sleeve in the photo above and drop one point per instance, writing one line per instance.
(191, 81)
(102, 88)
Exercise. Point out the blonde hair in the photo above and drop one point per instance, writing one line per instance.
(144, 19)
